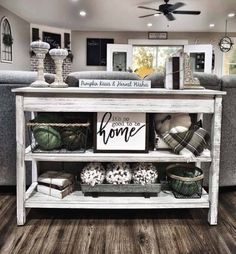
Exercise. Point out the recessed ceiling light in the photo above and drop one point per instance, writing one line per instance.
(211, 25)
(231, 15)
(82, 13)
(149, 24)
(156, 15)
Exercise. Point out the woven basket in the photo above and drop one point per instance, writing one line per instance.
(185, 179)
(53, 138)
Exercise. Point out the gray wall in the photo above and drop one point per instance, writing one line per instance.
(21, 35)
(79, 44)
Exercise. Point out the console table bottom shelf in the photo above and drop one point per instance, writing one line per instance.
(78, 200)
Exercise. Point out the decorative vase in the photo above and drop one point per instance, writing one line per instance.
(40, 48)
(58, 56)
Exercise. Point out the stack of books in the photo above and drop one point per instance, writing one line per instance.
(56, 184)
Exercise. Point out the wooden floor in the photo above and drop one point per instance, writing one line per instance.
(124, 232)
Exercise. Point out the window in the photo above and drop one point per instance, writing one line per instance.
(230, 60)
(148, 59)
(6, 41)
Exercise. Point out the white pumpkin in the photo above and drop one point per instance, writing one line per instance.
(173, 123)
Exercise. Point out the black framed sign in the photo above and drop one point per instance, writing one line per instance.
(158, 35)
(97, 51)
(53, 39)
(121, 132)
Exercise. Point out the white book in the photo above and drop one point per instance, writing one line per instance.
(60, 179)
(54, 192)
(168, 76)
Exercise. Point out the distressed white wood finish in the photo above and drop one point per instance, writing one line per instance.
(89, 156)
(101, 103)
(199, 117)
(78, 200)
(20, 160)
(30, 190)
(86, 100)
(34, 171)
(215, 164)
(153, 91)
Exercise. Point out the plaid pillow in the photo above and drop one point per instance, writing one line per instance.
(196, 139)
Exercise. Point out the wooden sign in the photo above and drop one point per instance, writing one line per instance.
(118, 84)
(121, 132)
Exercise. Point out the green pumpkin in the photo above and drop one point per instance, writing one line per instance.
(47, 137)
(186, 188)
(74, 138)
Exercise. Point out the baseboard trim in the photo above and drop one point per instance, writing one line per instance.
(7, 189)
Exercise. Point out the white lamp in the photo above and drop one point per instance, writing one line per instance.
(40, 48)
(58, 55)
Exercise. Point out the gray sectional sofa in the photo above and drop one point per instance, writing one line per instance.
(9, 80)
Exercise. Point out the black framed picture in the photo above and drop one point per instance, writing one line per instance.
(97, 51)
(53, 39)
(121, 132)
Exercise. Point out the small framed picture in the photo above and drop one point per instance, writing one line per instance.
(158, 35)
(121, 132)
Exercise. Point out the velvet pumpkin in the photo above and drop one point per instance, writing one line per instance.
(47, 138)
(74, 138)
(172, 122)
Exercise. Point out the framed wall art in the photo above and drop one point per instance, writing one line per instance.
(121, 132)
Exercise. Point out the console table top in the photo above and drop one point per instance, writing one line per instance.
(152, 91)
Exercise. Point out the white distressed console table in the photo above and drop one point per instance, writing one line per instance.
(103, 100)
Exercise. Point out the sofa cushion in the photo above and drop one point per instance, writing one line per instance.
(228, 81)
(73, 78)
(157, 80)
(22, 77)
(209, 81)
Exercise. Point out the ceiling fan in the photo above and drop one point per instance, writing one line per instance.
(168, 10)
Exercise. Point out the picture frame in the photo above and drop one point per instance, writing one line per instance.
(96, 51)
(54, 39)
(121, 132)
(157, 35)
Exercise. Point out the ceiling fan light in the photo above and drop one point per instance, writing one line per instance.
(231, 15)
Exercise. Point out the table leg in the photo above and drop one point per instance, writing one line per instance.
(215, 164)
(20, 160)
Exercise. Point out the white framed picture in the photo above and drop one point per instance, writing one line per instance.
(121, 132)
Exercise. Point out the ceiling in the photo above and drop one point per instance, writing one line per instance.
(122, 15)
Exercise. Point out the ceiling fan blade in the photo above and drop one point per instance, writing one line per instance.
(144, 16)
(170, 16)
(187, 12)
(176, 6)
(148, 2)
(147, 8)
